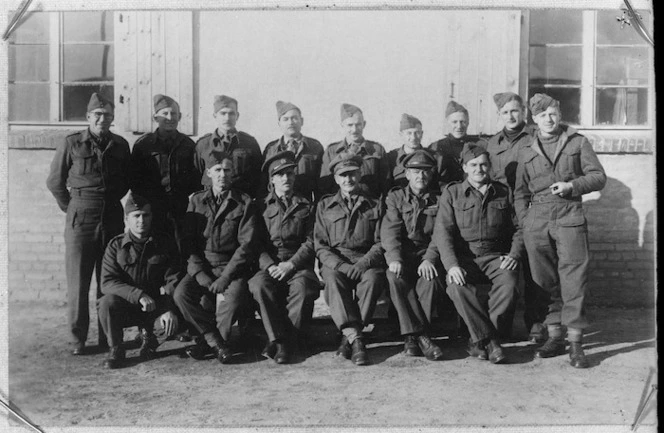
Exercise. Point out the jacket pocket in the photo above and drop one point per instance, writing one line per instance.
(464, 214)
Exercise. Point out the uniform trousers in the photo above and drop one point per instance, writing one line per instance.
(196, 302)
(116, 313)
(485, 318)
(558, 254)
(90, 225)
(350, 309)
(413, 298)
(285, 305)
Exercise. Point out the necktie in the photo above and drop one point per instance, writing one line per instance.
(291, 146)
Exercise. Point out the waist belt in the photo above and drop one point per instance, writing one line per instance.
(86, 194)
(552, 198)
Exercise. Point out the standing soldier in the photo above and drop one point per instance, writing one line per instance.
(94, 164)
(286, 286)
(448, 149)
(140, 271)
(163, 169)
(375, 171)
(553, 172)
(220, 235)
(478, 243)
(243, 149)
(503, 150)
(347, 242)
(413, 260)
(308, 151)
(410, 130)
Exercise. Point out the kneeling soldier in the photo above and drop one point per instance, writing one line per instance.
(220, 235)
(139, 273)
(412, 257)
(286, 287)
(478, 243)
(347, 241)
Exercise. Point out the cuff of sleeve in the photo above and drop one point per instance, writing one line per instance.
(204, 279)
(223, 281)
(449, 264)
(393, 256)
(135, 295)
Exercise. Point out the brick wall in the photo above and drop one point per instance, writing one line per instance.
(621, 227)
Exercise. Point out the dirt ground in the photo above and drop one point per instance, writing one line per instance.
(55, 389)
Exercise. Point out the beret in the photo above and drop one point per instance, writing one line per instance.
(215, 157)
(285, 107)
(540, 102)
(222, 101)
(472, 151)
(98, 101)
(345, 162)
(503, 98)
(278, 162)
(348, 110)
(162, 101)
(134, 202)
(421, 158)
(408, 122)
(453, 107)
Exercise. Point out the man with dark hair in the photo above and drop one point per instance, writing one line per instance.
(478, 244)
(140, 271)
(94, 164)
(553, 173)
(410, 130)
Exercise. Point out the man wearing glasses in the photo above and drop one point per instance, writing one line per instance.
(88, 177)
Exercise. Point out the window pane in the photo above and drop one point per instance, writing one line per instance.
(570, 100)
(29, 102)
(28, 63)
(88, 62)
(555, 27)
(617, 65)
(622, 106)
(555, 65)
(88, 26)
(75, 99)
(609, 31)
(32, 29)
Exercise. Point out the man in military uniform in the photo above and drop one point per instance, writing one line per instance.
(374, 172)
(410, 130)
(503, 150)
(220, 234)
(139, 273)
(286, 286)
(553, 173)
(347, 243)
(163, 169)
(308, 151)
(94, 164)
(448, 149)
(413, 260)
(479, 243)
(243, 148)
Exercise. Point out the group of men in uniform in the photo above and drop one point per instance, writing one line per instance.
(211, 225)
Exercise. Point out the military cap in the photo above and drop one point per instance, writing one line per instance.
(408, 122)
(98, 101)
(134, 203)
(348, 110)
(503, 98)
(421, 158)
(285, 107)
(278, 162)
(223, 101)
(453, 107)
(215, 157)
(540, 102)
(472, 151)
(162, 101)
(345, 162)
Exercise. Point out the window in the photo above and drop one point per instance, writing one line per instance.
(600, 73)
(56, 61)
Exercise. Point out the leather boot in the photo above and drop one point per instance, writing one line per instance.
(344, 349)
(410, 346)
(477, 350)
(116, 357)
(495, 352)
(429, 348)
(359, 352)
(538, 333)
(149, 345)
(282, 356)
(576, 356)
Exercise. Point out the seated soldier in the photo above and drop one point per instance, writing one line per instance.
(219, 233)
(478, 243)
(347, 242)
(139, 273)
(286, 286)
(411, 256)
